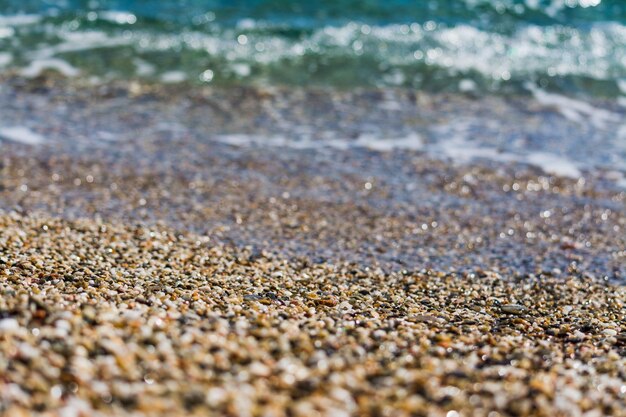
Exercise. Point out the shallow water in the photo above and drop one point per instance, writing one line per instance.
(378, 178)
(558, 134)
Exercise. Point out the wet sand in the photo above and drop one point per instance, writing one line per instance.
(154, 269)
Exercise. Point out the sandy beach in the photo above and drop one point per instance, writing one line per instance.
(100, 318)
(336, 208)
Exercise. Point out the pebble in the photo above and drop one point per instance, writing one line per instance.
(513, 309)
(182, 328)
(9, 325)
(609, 332)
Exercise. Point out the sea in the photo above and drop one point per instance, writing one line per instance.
(574, 47)
(566, 54)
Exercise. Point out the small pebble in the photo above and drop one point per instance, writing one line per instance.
(9, 325)
(513, 309)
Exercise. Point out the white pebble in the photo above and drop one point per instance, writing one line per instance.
(8, 325)
(513, 309)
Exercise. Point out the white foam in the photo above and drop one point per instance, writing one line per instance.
(574, 110)
(21, 134)
(5, 59)
(121, 18)
(76, 42)
(553, 164)
(466, 85)
(241, 69)
(375, 143)
(461, 150)
(173, 77)
(6, 32)
(410, 142)
(19, 20)
(247, 24)
(236, 139)
(458, 149)
(36, 67)
(143, 67)
(275, 141)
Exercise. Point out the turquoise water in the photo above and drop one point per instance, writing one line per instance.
(498, 46)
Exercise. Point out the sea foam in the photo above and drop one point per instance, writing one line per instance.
(22, 135)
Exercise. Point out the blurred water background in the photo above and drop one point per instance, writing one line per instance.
(577, 47)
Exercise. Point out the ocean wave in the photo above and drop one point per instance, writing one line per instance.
(438, 53)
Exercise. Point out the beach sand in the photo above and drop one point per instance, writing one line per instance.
(105, 319)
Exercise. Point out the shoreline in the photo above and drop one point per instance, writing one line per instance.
(513, 220)
(148, 268)
(449, 126)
